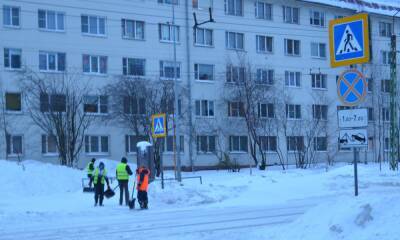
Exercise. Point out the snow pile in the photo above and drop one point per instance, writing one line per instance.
(364, 217)
(33, 178)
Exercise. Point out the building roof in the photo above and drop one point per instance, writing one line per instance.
(384, 7)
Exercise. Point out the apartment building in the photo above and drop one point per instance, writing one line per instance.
(285, 42)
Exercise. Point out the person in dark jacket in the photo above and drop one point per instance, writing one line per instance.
(122, 173)
(99, 178)
(142, 174)
(90, 170)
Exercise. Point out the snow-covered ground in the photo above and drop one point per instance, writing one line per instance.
(44, 201)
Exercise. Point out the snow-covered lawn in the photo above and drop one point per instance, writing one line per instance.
(44, 201)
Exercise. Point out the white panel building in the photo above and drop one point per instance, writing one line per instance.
(285, 43)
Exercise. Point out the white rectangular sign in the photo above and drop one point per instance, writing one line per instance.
(353, 118)
(353, 137)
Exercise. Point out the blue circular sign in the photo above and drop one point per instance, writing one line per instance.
(352, 87)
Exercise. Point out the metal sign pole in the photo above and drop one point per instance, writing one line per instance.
(162, 169)
(355, 151)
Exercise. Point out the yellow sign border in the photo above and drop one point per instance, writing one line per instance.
(163, 115)
(366, 57)
(364, 93)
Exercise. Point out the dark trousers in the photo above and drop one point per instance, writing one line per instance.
(98, 193)
(142, 199)
(90, 176)
(123, 187)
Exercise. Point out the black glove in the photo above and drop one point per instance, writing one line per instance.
(139, 185)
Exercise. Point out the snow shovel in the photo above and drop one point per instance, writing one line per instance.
(109, 193)
(85, 188)
(132, 201)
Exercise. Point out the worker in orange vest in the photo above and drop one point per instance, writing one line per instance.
(142, 174)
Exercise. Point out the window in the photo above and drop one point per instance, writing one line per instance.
(385, 57)
(51, 20)
(385, 29)
(93, 25)
(317, 18)
(95, 104)
(385, 86)
(49, 145)
(291, 14)
(166, 32)
(14, 145)
(167, 70)
(234, 7)
(234, 40)
(96, 144)
(320, 144)
(292, 47)
(52, 103)
(175, 2)
(320, 112)
(204, 108)
(235, 74)
(11, 16)
(205, 144)
(292, 79)
(371, 114)
(338, 16)
(293, 111)
(238, 143)
(168, 106)
(318, 80)
(13, 102)
(202, 4)
(132, 29)
(235, 109)
(264, 44)
(385, 114)
(12, 58)
(295, 143)
(133, 105)
(371, 144)
(318, 50)
(268, 143)
(133, 66)
(266, 110)
(203, 37)
(265, 76)
(52, 61)
(386, 144)
(131, 142)
(204, 72)
(370, 83)
(263, 10)
(94, 64)
(170, 146)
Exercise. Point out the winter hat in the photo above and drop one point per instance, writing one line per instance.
(101, 165)
(124, 160)
(93, 160)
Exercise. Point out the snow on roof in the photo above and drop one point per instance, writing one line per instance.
(384, 7)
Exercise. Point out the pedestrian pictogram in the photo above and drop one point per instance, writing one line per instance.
(349, 40)
(351, 87)
(349, 43)
(158, 125)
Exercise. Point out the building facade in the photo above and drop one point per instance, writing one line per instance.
(285, 42)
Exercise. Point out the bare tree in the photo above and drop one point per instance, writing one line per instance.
(56, 106)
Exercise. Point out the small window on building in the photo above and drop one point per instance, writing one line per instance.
(203, 37)
(204, 72)
(291, 14)
(320, 112)
(264, 44)
(292, 79)
(206, 144)
(49, 145)
(234, 40)
(169, 145)
(95, 104)
(292, 47)
(94, 64)
(318, 80)
(235, 109)
(235, 74)
(93, 25)
(202, 4)
(13, 102)
(133, 67)
(385, 85)
(51, 20)
(52, 102)
(97, 145)
(263, 10)
(11, 16)
(166, 32)
(385, 29)
(133, 105)
(14, 145)
(234, 7)
(167, 70)
(266, 110)
(293, 111)
(204, 108)
(318, 50)
(132, 29)
(295, 143)
(238, 144)
(52, 61)
(317, 18)
(320, 144)
(265, 76)
(268, 143)
(12, 58)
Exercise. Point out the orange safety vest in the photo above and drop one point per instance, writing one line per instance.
(144, 184)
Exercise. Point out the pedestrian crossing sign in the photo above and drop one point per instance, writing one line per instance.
(349, 40)
(158, 125)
